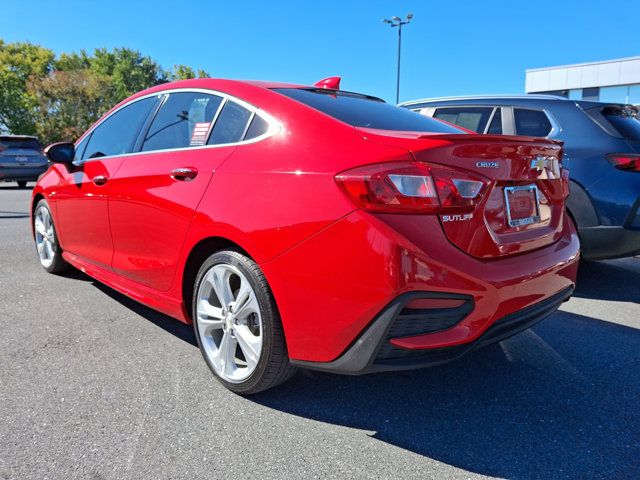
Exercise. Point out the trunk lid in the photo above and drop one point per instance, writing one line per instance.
(521, 206)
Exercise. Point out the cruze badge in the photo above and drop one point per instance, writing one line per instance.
(457, 218)
(487, 164)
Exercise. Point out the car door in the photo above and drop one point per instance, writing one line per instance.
(156, 191)
(82, 197)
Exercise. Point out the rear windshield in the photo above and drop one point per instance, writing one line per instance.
(21, 143)
(363, 111)
(625, 120)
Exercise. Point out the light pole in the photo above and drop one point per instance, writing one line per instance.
(398, 22)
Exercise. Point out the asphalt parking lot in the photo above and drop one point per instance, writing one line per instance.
(94, 385)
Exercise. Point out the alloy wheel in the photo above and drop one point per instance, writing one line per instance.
(45, 236)
(229, 322)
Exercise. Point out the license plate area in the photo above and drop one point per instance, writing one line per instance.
(522, 204)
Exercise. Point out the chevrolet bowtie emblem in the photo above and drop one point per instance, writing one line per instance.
(539, 163)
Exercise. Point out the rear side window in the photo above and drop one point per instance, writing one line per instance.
(363, 111)
(495, 127)
(19, 144)
(532, 123)
(471, 118)
(184, 120)
(258, 126)
(117, 133)
(231, 125)
(625, 120)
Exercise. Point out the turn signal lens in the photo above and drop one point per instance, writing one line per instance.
(625, 161)
(411, 187)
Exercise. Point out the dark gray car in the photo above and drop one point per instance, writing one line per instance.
(601, 151)
(21, 159)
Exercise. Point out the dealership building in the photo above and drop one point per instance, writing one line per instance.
(614, 81)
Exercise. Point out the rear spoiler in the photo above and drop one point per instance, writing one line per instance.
(594, 111)
(488, 138)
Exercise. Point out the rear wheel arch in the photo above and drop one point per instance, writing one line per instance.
(580, 207)
(198, 254)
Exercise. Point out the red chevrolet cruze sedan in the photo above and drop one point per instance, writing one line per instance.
(306, 226)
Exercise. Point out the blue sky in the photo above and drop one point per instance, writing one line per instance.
(450, 47)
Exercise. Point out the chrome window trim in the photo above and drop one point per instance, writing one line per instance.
(490, 120)
(274, 125)
(246, 127)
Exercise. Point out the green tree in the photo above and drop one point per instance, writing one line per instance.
(73, 61)
(128, 71)
(184, 72)
(19, 63)
(58, 98)
(67, 103)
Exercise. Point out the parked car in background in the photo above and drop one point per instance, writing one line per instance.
(21, 159)
(306, 226)
(601, 152)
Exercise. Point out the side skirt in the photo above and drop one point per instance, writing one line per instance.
(151, 298)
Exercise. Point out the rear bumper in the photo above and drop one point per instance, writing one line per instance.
(29, 174)
(374, 350)
(332, 287)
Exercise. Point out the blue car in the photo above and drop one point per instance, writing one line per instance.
(601, 151)
(21, 159)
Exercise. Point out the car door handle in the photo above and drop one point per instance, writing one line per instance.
(100, 179)
(184, 174)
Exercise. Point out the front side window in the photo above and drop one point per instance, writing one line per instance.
(184, 120)
(363, 111)
(117, 133)
(80, 147)
(532, 123)
(471, 118)
(231, 125)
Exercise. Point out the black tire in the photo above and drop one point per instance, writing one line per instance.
(58, 264)
(273, 367)
(21, 183)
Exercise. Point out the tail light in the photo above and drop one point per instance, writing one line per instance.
(412, 187)
(625, 161)
(566, 190)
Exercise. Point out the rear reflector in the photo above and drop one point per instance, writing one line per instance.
(625, 161)
(412, 187)
(433, 303)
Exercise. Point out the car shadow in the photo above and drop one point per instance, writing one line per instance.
(180, 330)
(15, 187)
(616, 280)
(558, 401)
(11, 214)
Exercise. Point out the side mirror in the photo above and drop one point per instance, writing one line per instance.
(61, 152)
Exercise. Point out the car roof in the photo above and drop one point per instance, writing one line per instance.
(528, 96)
(223, 84)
